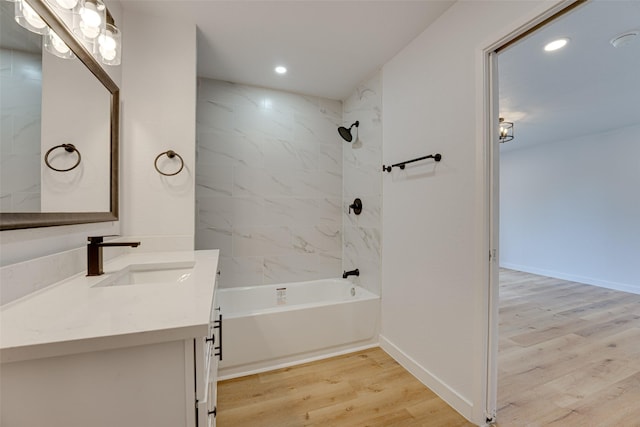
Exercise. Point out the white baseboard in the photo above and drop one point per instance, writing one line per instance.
(446, 393)
(624, 287)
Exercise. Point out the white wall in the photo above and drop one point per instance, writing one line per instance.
(362, 178)
(571, 209)
(84, 122)
(158, 114)
(435, 250)
(269, 183)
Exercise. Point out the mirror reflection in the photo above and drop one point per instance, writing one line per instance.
(45, 102)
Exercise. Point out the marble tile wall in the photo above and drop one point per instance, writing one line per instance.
(268, 183)
(20, 104)
(362, 178)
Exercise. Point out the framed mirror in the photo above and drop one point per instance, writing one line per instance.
(60, 121)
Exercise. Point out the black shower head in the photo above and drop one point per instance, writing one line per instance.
(346, 133)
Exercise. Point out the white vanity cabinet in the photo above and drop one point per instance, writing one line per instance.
(208, 353)
(147, 357)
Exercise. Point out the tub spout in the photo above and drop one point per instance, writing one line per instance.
(355, 272)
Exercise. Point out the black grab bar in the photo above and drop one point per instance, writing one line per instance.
(436, 157)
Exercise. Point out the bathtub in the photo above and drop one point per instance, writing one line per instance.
(273, 326)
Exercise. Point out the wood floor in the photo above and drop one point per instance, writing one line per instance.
(367, 388)
(569, 354)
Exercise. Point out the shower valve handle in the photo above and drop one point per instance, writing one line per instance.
(356, 206)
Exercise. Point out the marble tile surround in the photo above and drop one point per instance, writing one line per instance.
(362, 178)
(268, 183)
(20, 105)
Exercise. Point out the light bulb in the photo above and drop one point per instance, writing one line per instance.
(107, 41)
(29, 18)
(90, 16)
(90, 19)
(58, 44)
(66, 4)
(32, 17)
(107, 54)
(109, 45)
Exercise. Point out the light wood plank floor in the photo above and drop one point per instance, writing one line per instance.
(569, 354)
(367, 388)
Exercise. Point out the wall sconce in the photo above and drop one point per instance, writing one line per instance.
(506, 130)
(28, 18)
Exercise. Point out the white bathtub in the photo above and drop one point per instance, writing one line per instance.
(272, 326)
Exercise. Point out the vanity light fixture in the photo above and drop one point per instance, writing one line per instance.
(92, 22)
(506, 130)
(281, 70)
(28, 18)
(556, 44)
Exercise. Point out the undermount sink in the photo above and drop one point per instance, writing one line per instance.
(148, 274)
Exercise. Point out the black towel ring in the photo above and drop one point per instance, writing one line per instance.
(170, 154)
(69, 148)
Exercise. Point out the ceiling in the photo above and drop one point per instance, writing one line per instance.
(328, 46)
(587, 87)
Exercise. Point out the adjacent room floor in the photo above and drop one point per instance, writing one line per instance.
(569, 354)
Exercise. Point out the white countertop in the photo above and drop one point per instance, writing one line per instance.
(73, 317)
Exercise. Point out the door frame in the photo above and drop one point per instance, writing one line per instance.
(488, 132)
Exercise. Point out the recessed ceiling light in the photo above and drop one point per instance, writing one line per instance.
(281, 70)
(556, 44)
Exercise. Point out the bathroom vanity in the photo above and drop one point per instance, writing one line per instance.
(137, 346)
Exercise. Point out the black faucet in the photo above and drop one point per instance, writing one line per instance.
(355, 272)
(94, 253)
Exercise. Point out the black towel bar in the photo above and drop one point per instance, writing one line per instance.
(436, 157)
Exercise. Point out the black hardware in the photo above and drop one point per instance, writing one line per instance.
(170, 154)
(355, 272)
(356, 206)
(69, 148)
(345, 133)
(211, 340)
(94, 253)
(436, 157)
(214, 412)
(217, 324)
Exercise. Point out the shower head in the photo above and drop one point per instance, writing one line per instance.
(345, 133)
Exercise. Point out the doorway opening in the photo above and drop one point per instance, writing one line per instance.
(563, 346)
